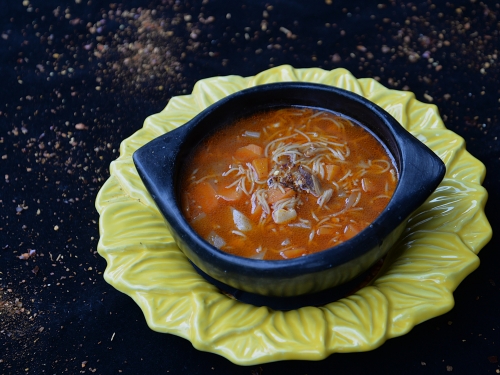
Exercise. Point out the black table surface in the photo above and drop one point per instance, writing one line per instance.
(77, 77)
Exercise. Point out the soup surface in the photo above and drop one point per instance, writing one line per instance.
(286, 183)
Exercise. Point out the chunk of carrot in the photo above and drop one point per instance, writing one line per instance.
(229, 194)
(332, 171)
(261, 167)
(274, 195)
(248, 153)
(205, 196)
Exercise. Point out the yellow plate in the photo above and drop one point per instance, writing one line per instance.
(437, 251)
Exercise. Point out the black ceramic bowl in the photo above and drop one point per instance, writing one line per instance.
(160, 164)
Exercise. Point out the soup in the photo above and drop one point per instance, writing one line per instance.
(285, 183)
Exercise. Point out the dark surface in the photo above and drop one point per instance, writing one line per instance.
(61, 66)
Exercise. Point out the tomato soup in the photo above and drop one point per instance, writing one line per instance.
(285, 183)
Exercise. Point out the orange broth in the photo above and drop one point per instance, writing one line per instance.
(286, 183)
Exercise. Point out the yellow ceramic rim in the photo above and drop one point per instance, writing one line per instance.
(436, 252)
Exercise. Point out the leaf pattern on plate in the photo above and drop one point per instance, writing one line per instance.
(206, 93)
(420, 281)
(436, 252)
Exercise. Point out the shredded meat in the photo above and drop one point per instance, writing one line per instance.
(296, 177)
(309, 182)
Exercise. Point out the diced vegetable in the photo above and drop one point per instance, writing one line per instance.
(283, 215)
(261, 167)
(248, 153)
(216, 240)
(242, 222)
(229, 194)
(204, 196)
(274, 195)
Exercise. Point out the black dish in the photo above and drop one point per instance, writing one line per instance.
(159, 164)
(320, 298)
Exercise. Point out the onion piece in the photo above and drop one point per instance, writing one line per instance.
(325, 197)
(216, 240)
(282, 215)
(241, 221)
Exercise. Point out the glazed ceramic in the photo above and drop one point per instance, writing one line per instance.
(160, 164)
(437, 250)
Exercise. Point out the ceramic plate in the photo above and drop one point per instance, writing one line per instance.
(436, 252)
